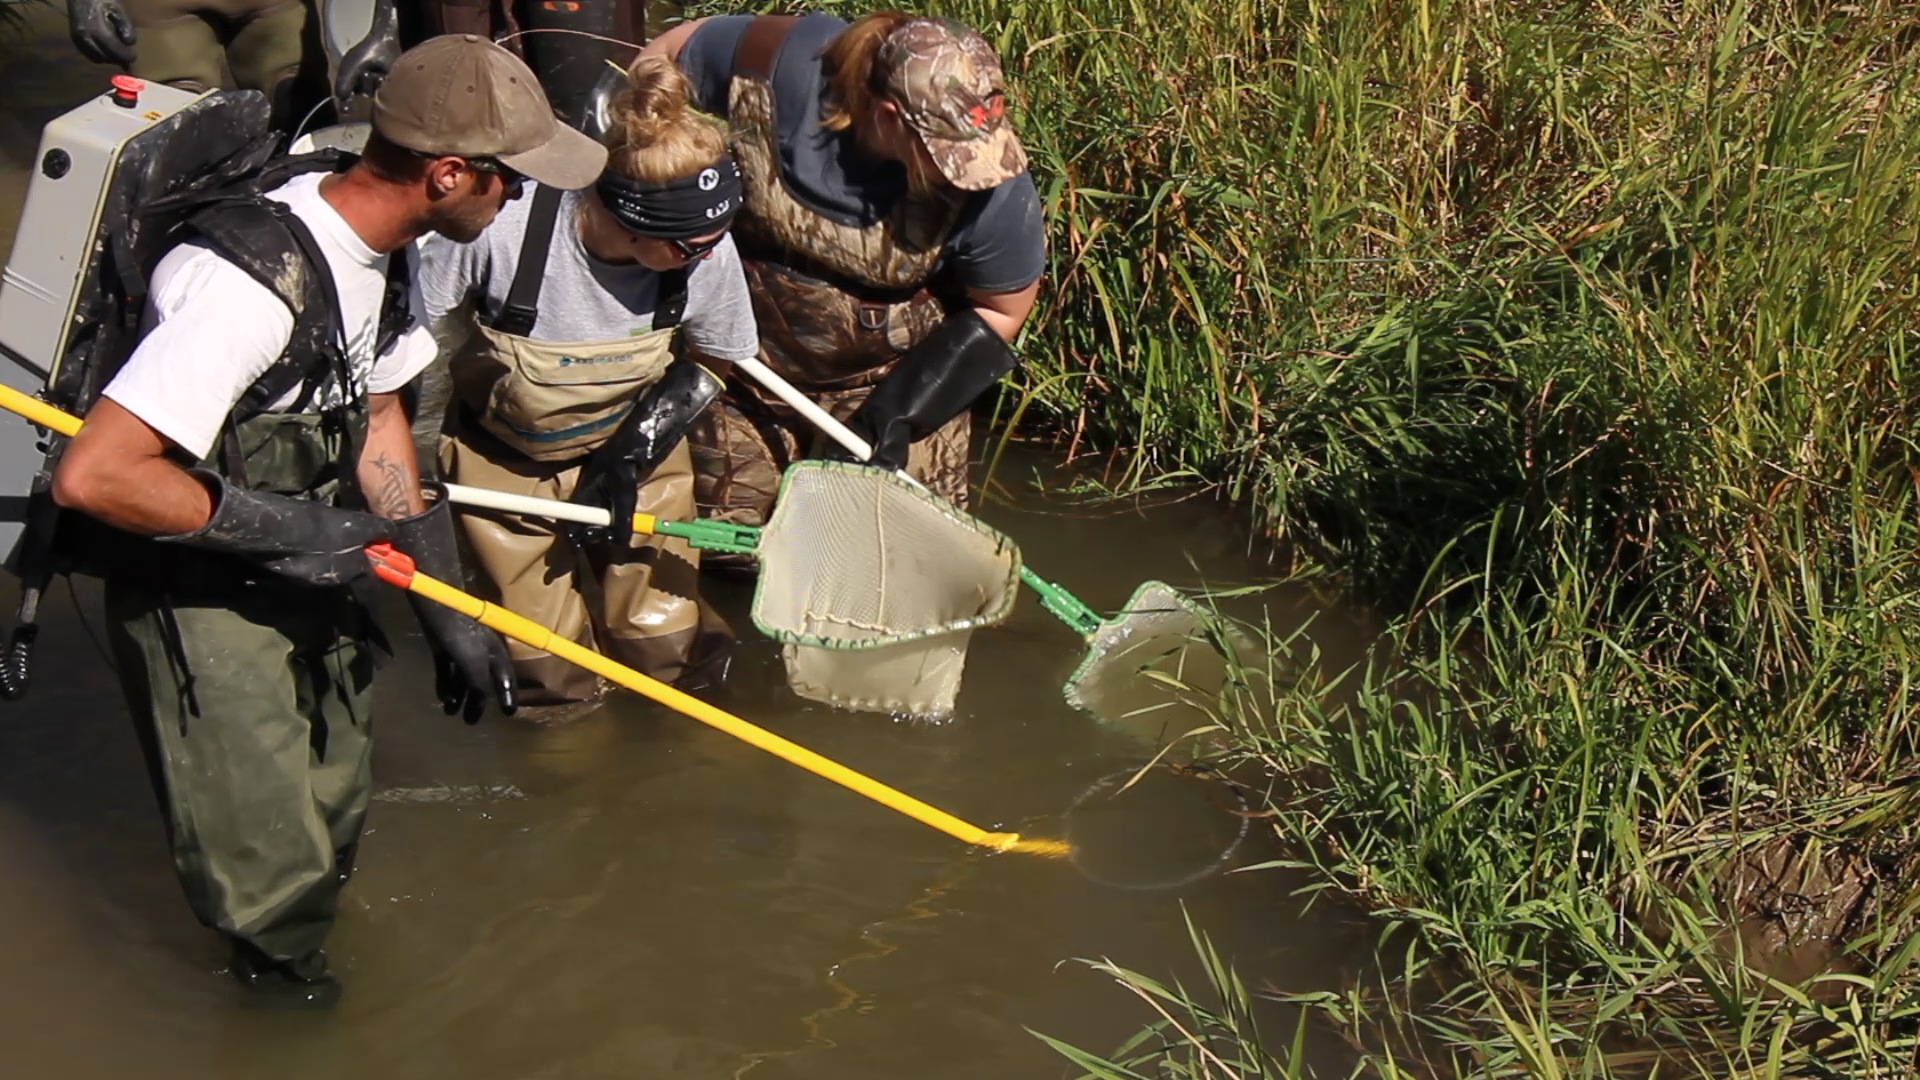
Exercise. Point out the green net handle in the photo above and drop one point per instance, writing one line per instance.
(712, 535)
(745, 540)
(1060, 603)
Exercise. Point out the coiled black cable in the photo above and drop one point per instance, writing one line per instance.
(16, 663)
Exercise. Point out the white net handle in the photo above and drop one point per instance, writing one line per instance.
(596, 515)
(819, 417)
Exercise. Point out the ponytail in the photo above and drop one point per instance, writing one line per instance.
(848, 63)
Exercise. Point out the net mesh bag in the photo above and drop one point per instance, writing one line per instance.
(874, 585)
(1161, 656)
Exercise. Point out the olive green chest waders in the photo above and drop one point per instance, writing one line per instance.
(252, 696)
(527, 413)
(250, 691)
(207, 44)
(836, 306)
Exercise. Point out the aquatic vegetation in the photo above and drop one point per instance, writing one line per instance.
(1191, 1039)
(1581, 333)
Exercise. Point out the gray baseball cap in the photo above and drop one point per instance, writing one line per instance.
(461, 95)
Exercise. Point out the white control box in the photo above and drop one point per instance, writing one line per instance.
(58, 226)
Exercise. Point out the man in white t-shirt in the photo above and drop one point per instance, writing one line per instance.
(257, 416)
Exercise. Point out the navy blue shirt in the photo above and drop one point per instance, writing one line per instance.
(999, 244)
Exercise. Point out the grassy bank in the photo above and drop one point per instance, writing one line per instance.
(1581, 334)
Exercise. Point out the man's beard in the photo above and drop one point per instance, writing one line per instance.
(463, 220)
(462, 224)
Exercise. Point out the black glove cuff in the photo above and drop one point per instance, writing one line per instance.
(428, 536)
(936, 380)
(302, 539)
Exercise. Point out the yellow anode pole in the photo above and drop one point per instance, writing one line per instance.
(38, 411)
(395, 568)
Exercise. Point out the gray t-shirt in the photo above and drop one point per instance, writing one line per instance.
(582, 298)
(999, 244)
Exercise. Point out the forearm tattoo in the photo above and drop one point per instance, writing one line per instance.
(390, 494)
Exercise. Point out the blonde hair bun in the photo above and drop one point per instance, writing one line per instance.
(656, 134)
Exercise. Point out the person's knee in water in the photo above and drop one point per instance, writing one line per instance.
(249, 448)
(892, 238)
(563, 323)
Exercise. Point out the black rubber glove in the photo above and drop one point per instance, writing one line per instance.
(661, 413)
(470, 662)
(365, 66)
(933, 382)
(101, 31)
(300, 539)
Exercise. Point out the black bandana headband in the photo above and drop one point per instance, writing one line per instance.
(699, 203)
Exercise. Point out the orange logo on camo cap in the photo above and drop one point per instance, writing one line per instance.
(950, 90)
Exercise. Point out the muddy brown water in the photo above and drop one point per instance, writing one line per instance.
(632, 894)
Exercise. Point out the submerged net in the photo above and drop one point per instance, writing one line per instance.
(874, 585)
(1162, 660)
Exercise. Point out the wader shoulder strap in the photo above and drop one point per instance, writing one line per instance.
(522, 309)
(274, 247)
(318, 346)
(396, 315)
(759, 42)
(673, 299)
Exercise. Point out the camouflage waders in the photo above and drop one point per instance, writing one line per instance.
(836, 305)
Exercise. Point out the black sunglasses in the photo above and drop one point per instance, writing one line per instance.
(691, 250)
(508, 175)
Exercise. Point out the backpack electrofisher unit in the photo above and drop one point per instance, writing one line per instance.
(60, 235)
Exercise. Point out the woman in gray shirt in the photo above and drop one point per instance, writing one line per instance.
(584, 330)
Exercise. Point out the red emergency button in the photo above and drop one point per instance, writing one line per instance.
(126, 91)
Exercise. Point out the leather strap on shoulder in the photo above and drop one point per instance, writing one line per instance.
(759, 43)
(396, 314)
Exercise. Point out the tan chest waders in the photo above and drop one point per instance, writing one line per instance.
(554, 401)
(528, 412)
(836, 305)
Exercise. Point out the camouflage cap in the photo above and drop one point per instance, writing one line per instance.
(948, 85)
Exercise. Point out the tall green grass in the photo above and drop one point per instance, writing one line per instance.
(1581, 333)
